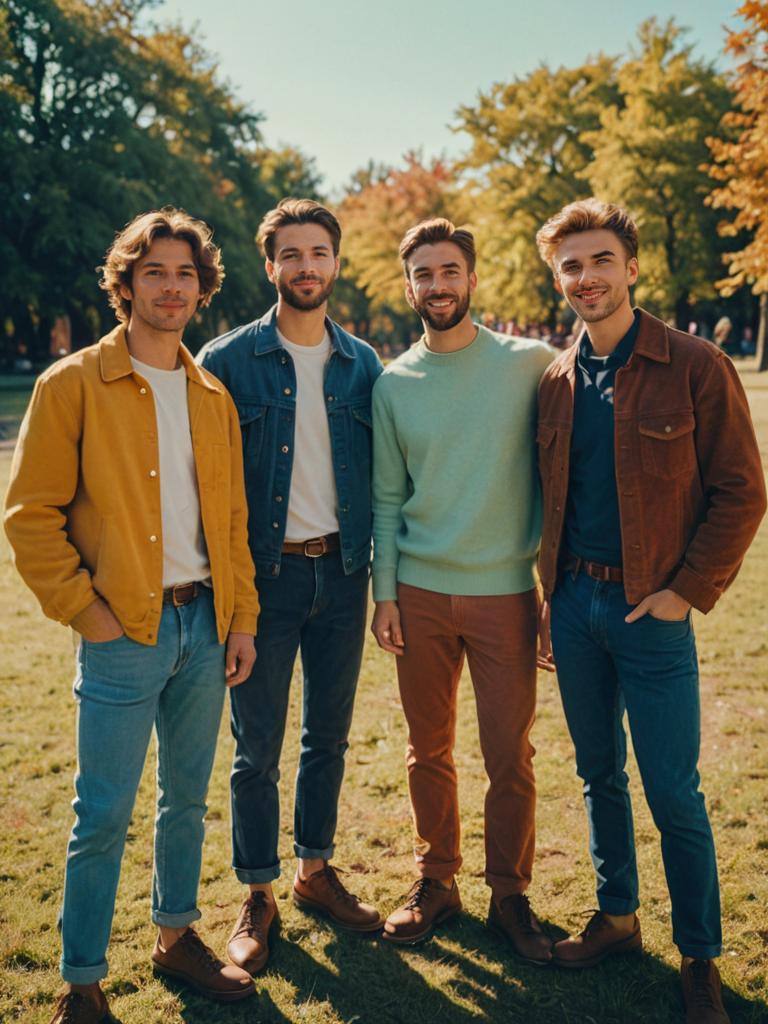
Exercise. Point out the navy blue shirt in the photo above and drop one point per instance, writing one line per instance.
(592, 523)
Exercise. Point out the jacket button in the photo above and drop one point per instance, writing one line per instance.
(284, 449)
(153, 472)
(330, 398)
(286, 391)
(667, 430)
(344, 466)
(348, 562)
(275, 526)
(151, 593)
(274, 569)
(153, 538)
(142, 391)
(283, 360)
(278, 497)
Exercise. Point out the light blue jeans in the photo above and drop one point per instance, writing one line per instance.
(123, 689)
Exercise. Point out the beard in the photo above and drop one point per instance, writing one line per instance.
(437, 321)
(304, 302)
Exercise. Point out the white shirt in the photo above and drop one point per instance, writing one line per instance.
(312, 498)
(185, 557)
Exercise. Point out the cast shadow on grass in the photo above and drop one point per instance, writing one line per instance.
(461, 976)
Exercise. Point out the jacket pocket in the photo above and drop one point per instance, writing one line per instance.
(252, 420)
(666, 444)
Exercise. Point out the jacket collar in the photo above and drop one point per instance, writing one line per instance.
(268, 341)
(652, 342)
(115, 360)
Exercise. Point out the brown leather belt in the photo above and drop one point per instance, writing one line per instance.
(181, 593)
(606, 573)
(314, 548)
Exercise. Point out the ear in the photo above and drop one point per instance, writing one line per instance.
(126, 293)
(269, 266)
(472, 282)
(633, 270)
(558, 286)
(336, 266)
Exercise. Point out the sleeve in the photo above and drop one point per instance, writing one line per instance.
(733, 484)
(390, 491)
(246, 611)
(44, 478)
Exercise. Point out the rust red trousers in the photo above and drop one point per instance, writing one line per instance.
(498, 637)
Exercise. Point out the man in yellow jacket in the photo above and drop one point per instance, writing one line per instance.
(126, 512)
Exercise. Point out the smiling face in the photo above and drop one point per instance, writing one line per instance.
(165, 287)
(304, 269)
(594, 274)
(439, 284)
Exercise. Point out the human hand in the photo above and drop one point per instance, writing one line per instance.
(544, 658)
(664, 604)
(239, 658)
(386, 627)
(97, 623)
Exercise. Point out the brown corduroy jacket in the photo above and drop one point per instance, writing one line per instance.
(690, 482)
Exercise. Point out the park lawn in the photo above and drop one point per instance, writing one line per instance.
(318, 975)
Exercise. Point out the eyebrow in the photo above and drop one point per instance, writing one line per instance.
(159, 263)
(287, 249)
(443, 266)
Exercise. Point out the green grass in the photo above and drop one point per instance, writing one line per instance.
(320, 976)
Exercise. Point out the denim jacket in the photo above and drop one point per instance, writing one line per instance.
(259, 374)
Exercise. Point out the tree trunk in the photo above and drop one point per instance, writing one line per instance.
(762, 335)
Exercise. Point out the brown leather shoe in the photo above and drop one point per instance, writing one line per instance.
(248, 945)
(324, 893)
(599, 939)
(427, 904)
(702, 993)
(514, 919)
(191, 961)
(76, 1008)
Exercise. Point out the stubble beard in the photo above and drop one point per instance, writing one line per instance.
(462, 307)
(302, 303)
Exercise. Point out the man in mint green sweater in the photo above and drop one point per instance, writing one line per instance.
(457, 517)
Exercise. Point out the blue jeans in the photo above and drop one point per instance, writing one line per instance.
(648, 668)
(312, 607)
(123, 689)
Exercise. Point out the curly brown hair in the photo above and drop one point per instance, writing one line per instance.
(134, 242)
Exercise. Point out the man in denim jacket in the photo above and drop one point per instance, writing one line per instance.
(302, 387)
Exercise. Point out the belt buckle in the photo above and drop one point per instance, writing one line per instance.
(181, 586)
(311, 547)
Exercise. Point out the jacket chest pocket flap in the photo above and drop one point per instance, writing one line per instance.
(252, 419)
(666, 444)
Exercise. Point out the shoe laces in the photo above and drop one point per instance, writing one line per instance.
(252, 920)
(71, 1004)
(521, 908)
(596, 922)
(331, 876)
(205, 956)
(418, 894)
(703, 993)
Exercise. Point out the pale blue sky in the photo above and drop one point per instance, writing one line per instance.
(350, 82)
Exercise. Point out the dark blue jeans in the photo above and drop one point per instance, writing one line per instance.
(648, 668)
(312, 607)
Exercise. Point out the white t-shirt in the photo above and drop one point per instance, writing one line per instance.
(312, 499)
(185, 557)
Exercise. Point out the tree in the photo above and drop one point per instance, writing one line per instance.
(527, 155)
(648, 153)
(741, 165)
(105, 116)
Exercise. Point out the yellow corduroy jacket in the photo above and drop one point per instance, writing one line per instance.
(82, 511)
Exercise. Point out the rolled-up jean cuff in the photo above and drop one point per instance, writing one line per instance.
(306, 853)
(700, 952)
(258, 876)
(617, 907)
(176, 920)
(83, 975)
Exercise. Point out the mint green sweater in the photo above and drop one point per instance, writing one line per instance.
(456, 503)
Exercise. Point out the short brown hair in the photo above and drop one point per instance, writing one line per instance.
(430, 232)
(586, 215)
(134, 242)
(296, 211)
